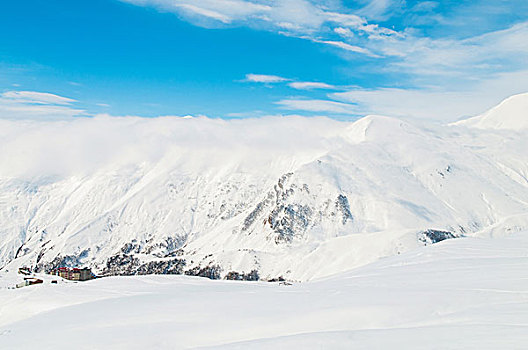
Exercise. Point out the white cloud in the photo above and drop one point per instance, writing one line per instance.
(309, 85)
(225, 11)
(300, 18)
(379, 9)
(344, 32)
(263, 78)
(299, 85)
(31, 104)
(359, 24)
(205, 12)
(463, 60)
(407, 51)
(318, 106)
(347, 47)
(298, 12)
(438, 69)
(412, 103)
(438, 104)
(37, 147)
(36, 97)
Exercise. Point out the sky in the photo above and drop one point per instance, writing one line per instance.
(438, 60)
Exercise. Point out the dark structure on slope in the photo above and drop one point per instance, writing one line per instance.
(74, 274)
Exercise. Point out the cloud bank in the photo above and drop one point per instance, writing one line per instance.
(80, 146)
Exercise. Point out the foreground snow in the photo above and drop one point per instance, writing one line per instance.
(461, 293)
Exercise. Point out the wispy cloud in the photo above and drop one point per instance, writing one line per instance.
(310, 85)
(35, 98)
(469, 59)
(299, 85)
(225, 11)
(433, 52)
(347, 47)
(442, 104)
(264, 78)
(300, 18)
(380, 9)
(406, 51)
(31, 104)
(318, 106)
(344, 32)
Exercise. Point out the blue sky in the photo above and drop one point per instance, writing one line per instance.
(235, 58)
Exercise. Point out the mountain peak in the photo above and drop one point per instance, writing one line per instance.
(510, 114)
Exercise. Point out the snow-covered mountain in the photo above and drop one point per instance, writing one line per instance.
(511, 114)
(293, 198)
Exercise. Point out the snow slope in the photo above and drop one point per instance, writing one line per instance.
(296, 198)
(511, 114)
(457, 294)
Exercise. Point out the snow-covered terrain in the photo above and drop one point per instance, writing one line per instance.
(404, 234)
(293, 198)
(468, 293)
(511, 114)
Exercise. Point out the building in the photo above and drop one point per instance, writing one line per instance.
(74, 274)
(24, 271)
(29, 281)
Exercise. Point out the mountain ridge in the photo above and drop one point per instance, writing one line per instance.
(510, 114)
(283, 198)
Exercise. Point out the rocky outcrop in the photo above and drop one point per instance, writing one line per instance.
(434, 236)
(289, 212)
(60, 261)
(236, 276)
(212, 272)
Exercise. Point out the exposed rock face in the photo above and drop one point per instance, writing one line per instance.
(290, 211)
(164, 267)
(211, 272)
(60, 261)
(434, 236)
(343, 207)
(123, 264)
(235, 276)
(288, 220)
(128, 265)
